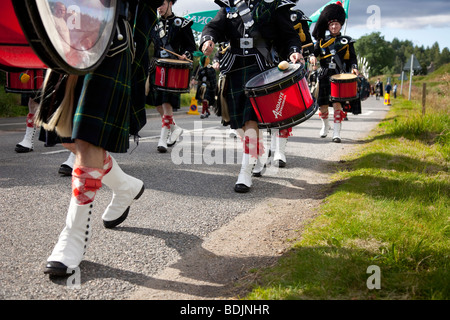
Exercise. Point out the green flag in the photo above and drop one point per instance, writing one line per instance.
(315, 16)
(200, 19)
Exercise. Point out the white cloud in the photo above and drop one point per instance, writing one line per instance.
(436, 21)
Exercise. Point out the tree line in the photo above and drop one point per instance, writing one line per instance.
(385, 57)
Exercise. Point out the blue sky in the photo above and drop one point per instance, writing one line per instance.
(422, 22)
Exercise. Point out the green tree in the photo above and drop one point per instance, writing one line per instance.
(378, 52)
(444, 57)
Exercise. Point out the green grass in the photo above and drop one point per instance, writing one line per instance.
(389, 207)
(10, 104)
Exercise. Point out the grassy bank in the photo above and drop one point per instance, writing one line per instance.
(389, 208)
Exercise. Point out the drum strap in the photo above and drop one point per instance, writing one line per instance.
(259, 43)
(336, 58)
(331, 45)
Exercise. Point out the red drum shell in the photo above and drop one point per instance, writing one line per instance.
(281, 103)
(15, 85)
(172, 75)
(344, 87)
(15, 52)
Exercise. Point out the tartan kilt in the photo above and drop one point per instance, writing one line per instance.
(324, 91)
(102, 115)
(239, 106)
(111, 106)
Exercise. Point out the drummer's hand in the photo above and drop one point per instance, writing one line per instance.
(216, 65)
(313, 60)
(208, 47)
(355, 72)
(183, 57)
(297, 57)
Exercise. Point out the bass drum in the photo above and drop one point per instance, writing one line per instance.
(15, 52)
(69, 36)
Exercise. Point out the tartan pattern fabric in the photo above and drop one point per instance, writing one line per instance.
(338, 116)
(167, 121)
(85, 183)
(30, 120)
(253, 146)
(239, 106)
(107, 162)
(323, 115)
(112, 101)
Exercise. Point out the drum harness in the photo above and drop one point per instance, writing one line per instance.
(331, 44)
(255, 41)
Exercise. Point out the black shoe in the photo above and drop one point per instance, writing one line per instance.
(241, 188)
(65, 170)
(115, 223)
(162, 149)
(337, 140)
(21, 149)
(259, 174)
(55, 268)
(280, 164)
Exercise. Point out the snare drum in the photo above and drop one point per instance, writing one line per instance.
(281, 99)
(27, 81)
(172, 75)
(344, 87)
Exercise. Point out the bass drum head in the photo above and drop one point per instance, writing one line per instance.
(69, 36)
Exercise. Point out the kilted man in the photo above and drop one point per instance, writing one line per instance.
(171, 34)
(336, 54)
(110, 108)
(253, 28)
(206, 85)
(279, 138)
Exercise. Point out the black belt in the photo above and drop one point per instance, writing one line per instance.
(250, 43)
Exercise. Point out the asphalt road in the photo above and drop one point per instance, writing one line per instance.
(189, 196)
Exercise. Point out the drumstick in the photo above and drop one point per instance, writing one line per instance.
(176, 54)
(307, 45)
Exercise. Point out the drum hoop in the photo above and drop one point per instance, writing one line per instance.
(31, 23)
(335, 80)
(276, 86)
(172, 90)
(174, 65)
(334, 99)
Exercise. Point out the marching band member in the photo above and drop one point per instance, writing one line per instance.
(253, 28)
(206, 85)
(279, 138)
(174, 34)
(336, 54)
(102, 123)
(27, 143)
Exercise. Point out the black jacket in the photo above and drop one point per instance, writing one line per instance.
(272, 28)
(180, 38)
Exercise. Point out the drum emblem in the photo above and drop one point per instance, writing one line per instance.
(162, 80)
(278, 112)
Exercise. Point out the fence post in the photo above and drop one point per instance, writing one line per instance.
(424, 97)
